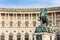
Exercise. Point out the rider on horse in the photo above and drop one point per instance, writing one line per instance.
(43, 16)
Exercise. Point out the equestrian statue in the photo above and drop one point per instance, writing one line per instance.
(43, 16)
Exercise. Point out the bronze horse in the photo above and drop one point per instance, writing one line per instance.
(43, 16)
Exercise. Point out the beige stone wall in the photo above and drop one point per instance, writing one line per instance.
(53, 18)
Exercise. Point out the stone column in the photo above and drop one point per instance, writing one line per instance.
(36, 19)
(31, 20)
(21, 19)
(30, 37)
(52, 19)
(8, 17)
(0, 19)
(22, 37)
(16, 20)
(16, 16)
(31, 16)
(6, 36)
(13, 20)
(52, 37)
(24, 16)
(8, 20)
(34, 37)
(55, 18)
(36, 16)
(5, 21)
(14, 36)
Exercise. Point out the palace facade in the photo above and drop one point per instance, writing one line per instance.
(20, 24)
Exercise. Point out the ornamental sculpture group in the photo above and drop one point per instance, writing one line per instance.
(43, 18)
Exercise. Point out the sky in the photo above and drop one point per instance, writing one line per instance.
(29, 3)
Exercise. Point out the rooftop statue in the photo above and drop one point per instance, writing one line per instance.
(43, 27)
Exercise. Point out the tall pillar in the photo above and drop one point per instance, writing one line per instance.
(14, 36)
(0, 19)
(30, 37)
(6, 36)
(52, 19)
(55, 18)
(21, 19)
(36, 16)
(5, 21)
(53, 37)
(36, 19)
(16, 19)
(16, 16)
(22, 37)
(24, 16)
(13, 20)
(29, 19)
(34, 37)
(8, 20)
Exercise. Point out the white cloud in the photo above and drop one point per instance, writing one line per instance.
(55, 2)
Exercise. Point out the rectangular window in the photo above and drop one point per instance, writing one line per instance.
(50, 37)
(2, 37)
(3, 15)
(34, 23)
(10, 37)
(11, 24)
(3, 24)
(34, 16)
(18, 16)
(26, 23)
(11, 16)
(26, 16)
(19, 23)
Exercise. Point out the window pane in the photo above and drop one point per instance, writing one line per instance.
(19, 23)
(11, 24)
(26, 23)
(34, 23)
(18, 36)
(58, 37)
(26, 36)
(10, 36)
(3, 24)
(2, 37)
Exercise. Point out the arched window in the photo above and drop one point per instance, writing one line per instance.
(26, 36)
(10, 36)
(2, 36)
(18, 36)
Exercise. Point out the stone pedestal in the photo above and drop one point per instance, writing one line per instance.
(44, 36)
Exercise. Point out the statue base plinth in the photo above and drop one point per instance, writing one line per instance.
(44, 32)
(44, 36)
